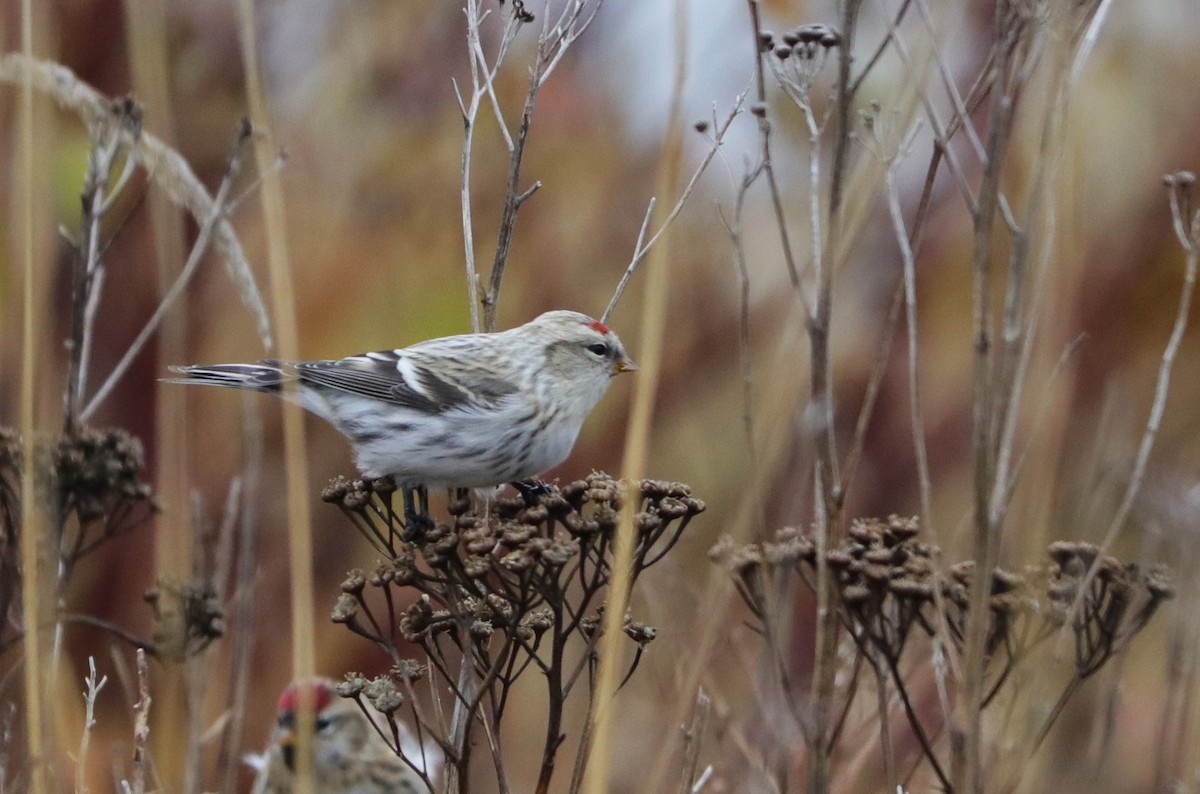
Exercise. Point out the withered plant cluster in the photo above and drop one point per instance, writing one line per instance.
(876, 587)
(89, 486)
(493, 594)
(890, 594)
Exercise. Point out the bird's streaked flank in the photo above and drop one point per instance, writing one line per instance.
(465, 411)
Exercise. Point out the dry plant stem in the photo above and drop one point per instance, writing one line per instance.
(764, 143)
(284, 303)
(514, 199)
(827, 479)
(966, 734)
(885, 730)
(482, 78)
(1173, 734)
(86, 269)
(692, 742)
(1019, 336)
(628, 274)
(639, 430)
(914, 239)
(208, 226)
(1187, 231)
(874, 383)
(916, 416)
(734, 228)
(32, 522)
(941, 133)
(166, 167)
(243, 597)
(882, 48)
(141, 726)
(177, 724)
(818, 772)
(94, 685)
(641, 249)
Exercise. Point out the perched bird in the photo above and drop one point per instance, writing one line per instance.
(349, 755)
(457, 412)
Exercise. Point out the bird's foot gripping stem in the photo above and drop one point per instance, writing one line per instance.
(530, 490)
(416, 513)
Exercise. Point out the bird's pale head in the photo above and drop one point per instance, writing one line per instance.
(579, 348)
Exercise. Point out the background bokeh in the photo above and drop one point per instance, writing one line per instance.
(362, 101)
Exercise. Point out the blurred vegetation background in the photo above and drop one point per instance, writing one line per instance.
(363, 104)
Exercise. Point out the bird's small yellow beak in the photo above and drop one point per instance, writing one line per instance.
(287, 747)
(624, 364)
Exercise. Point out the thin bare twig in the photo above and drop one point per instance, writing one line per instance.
(764, 138)
(692, 741)
(94, 685)
(208, 228)
(917, 416)
(641, 250)
(141, 726)
(1187, 231)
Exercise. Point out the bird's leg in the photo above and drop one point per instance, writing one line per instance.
(416, 521)
(530, 490)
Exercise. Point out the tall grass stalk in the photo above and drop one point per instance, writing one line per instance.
(639, 430)
(32, 522)
(283, 302)
(146, 30)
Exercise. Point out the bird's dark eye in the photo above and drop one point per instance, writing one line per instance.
(323, 723)
(599, 349)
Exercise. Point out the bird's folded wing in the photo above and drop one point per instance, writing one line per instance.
(405, 380)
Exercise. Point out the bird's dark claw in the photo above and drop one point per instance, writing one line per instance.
(530, 490)
(416, 513)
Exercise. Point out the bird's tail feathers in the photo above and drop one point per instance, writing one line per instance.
(266, 376)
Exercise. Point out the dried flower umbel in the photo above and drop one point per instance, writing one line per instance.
(187, 619)
(92, 478)
(888, 583)
(89, 479)
(516, 588)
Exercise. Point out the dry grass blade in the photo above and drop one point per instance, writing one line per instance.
(300, 545)
(638, 432)
(33, 523)
(165, 166)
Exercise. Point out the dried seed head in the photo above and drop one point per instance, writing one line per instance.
(640, 633)
(856, 594)
(382, 693)
(345, 609)
(1180, 179)
(408, 670)
(96, 470)
(353, 686)
(355, 582)
(476, 567)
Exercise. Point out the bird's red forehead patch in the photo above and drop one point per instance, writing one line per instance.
(599, 326)
(290, 699)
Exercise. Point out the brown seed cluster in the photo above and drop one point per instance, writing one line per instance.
(96, 474)
(803, 42)
(1105, 601)
(187, 618)
(888, 583)
(512, 585)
